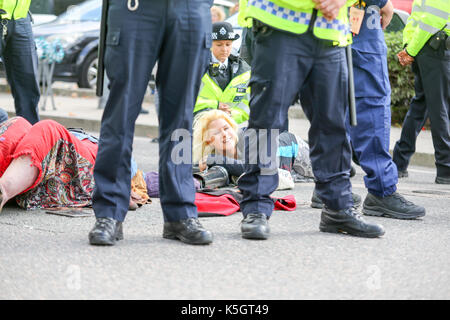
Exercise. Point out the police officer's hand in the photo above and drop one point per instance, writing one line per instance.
(225, 108)
(386, 14)
(404, 58)
(202, 163)
(329, 8)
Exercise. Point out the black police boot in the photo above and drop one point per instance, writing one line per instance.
(442, 180)
(392, 206)
(402, 173)
(189, 231)
(317, 203)
(105, 232)
(348, 221)
(255, 226)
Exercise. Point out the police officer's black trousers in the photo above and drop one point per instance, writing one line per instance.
(432, 85)
(178, 35)
(18, 52)
(283, 66)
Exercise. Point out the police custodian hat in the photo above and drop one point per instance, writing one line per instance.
(223, 31)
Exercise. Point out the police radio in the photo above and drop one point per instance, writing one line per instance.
(214, 69)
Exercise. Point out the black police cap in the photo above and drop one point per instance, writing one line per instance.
(223, 31)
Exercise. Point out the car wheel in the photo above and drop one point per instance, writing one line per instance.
(88, 74)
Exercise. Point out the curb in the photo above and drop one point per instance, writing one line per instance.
(151, 131)
(75, 93)
(141, 130)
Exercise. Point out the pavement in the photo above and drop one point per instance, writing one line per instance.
(44, 256)
(79, 108)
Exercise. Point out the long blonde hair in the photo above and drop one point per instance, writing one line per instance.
(200, 130)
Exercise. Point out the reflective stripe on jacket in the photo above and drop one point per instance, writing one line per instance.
(236, 94)
(16, 9)
(427, 18)
(295, 16)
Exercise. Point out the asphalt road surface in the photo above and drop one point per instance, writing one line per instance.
(45, 256)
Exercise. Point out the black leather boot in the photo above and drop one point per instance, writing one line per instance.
(348, 221)
(392, 206)
(317, 203)
(255, 226)
(189, 231)
(105, 232)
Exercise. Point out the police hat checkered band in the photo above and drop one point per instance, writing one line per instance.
(223, 31)
(281, 12)
(335, 24)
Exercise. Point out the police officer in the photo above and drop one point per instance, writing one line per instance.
(18, 51)
(177, 33)
(370, 138)
(301, 44)
(225, 84)
(427, 47)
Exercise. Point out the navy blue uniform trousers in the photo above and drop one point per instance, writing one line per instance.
(18, 51)
(371, 137)
(177, 33)
(285, 65)
(432, 99)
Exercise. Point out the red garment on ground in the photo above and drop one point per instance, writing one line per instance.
(226, 204)
(65, 163)
(11, 132)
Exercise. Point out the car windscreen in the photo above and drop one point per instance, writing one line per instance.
(87, 11)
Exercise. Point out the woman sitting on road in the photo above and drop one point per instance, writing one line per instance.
(46, 165)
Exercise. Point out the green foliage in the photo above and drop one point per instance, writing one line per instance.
(401, 78)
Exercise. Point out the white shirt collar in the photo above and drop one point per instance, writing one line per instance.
(215, 60)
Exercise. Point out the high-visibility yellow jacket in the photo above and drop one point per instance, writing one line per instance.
(236, 94)
(15, 9)
(295, 16)
(427, 18)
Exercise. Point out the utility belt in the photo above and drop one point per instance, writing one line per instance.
(439, 39)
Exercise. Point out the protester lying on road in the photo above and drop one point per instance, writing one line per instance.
(46, 166)
(217, 141)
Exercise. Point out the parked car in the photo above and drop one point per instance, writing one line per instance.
(78, 29)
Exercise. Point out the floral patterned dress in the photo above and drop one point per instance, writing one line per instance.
(65, 163)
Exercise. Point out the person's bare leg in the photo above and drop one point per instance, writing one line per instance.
(19, 176)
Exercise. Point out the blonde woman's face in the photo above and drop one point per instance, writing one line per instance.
(221, 136)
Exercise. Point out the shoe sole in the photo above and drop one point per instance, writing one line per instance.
(383, 212)
(107, 242)
(255, 235)
(104, 241)
(185, 240)
(351, 232)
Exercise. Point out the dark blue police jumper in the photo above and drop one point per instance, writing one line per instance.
(296, 62)
(177, 34)
(18, 51)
